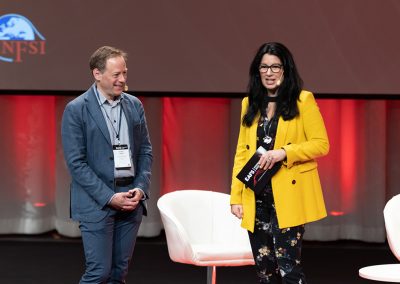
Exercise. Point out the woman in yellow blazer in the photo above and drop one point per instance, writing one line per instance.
(278, 115)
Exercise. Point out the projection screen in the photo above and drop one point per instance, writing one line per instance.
(340, 47)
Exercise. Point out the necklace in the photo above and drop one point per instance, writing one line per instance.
(267, 124)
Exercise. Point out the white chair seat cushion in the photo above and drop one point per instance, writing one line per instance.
(384, 272)
(222, 254)
(201, 230)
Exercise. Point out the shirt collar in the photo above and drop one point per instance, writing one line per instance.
(102, 99)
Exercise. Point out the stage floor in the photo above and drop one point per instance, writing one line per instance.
(48, 258)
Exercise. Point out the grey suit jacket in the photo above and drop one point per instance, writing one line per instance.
(89, 156)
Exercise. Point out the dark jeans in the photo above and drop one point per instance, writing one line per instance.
(109, 245)
(277, 252)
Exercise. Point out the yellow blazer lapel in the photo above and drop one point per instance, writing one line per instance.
(281, 133)
(253, 135)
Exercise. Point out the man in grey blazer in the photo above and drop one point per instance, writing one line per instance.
(108, 153)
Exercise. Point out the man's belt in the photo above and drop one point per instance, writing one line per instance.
(123, 181)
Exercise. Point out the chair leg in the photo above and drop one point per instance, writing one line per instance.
(211, 274)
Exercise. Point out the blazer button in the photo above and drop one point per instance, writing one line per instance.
(294, 181)
(111, 158)
(247, 147)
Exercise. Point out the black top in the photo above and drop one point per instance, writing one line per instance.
(266, 132)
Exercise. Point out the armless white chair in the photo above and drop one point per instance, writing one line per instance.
(201, 230)
(388, 272)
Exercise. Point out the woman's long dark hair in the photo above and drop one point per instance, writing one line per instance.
(288, 92)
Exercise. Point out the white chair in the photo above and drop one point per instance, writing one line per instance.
(388, 272)
(201, 230)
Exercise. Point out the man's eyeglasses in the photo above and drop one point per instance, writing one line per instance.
(275, 68)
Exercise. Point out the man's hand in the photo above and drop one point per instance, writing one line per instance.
(126, 201)
(136, 193)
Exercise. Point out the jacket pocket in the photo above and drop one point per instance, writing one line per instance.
(305, 167)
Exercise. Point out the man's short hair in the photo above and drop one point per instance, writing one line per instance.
(100, 56)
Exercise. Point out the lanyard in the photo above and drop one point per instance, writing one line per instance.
(109, 119)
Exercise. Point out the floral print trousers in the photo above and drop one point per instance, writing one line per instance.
(277, 252)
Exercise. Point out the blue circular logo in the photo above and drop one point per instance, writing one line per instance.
(14, 27)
